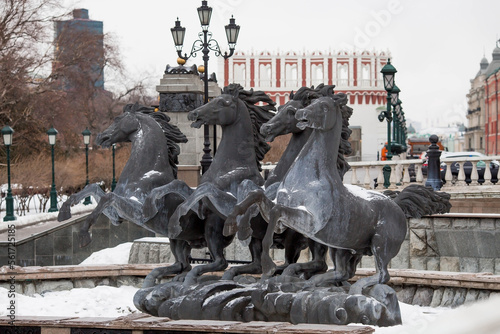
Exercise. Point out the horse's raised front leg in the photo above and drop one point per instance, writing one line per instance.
(181, 251)
(216, 244)
(218, 201)
(152, 202)
(257, 197)
(126, 208)
(93, 190)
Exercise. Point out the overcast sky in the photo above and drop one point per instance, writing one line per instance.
(436, 46)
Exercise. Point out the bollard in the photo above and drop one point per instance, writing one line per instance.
(434, 164)
(387, 176)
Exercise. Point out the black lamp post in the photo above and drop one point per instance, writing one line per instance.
(404, 130)
(205, 43)
(394, 102)
(7, 133)
(398, 123)
(388, 71)
(113, 183)
(53, 193)
(86, 140)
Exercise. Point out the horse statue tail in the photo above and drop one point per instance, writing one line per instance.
(417, 201)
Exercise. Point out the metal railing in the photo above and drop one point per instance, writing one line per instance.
(403, 172)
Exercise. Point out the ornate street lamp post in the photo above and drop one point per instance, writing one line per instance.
(86, 140)
(205, 43)
(398, 123)
(394, 102)
(388, 71)
(113, 183)
(7, 133)
(404, 130)
(53, 193)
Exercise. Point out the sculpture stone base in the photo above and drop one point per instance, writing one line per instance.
(286, 299)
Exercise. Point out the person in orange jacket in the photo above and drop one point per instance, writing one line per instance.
(384, 152)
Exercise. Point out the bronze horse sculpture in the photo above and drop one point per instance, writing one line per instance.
(152, 164)
(311, 199)
(238, 158)
(284, 122)
(144, 171)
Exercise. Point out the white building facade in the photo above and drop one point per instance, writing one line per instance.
(355, 73)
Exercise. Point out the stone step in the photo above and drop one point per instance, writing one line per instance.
(144, 324)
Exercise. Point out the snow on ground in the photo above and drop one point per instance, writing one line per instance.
(33, 217)
(482, 317)
(101, 301)
(115, 255)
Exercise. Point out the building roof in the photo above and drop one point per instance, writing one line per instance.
(483, 65)
(495, 63)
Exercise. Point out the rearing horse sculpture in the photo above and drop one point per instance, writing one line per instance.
(284, 122)
(312, 199)
(152, 163)
(238, 158)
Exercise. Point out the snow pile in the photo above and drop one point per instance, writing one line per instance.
(115, 255)
(104, 301)
(101, 301)
(480, 317)
(33, 217)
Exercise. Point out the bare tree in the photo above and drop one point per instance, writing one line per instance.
(48, 82)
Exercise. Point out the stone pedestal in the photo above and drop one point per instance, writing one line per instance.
(181, 90)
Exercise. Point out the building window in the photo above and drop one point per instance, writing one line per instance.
(265, 75)
(317, 74)
(291, 75)
(481, 142)
(365, 75)
(342, 75)
(239, 74)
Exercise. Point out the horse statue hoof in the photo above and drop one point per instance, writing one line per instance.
(245, 233)
(150, 280)
(229, 275)
(149, 208)
(174, 231)
(85, 238)
(64, 213)
(230, 226)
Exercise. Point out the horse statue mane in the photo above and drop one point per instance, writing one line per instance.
(345, 147)
(171, 132)
(307, 95)
(258, 114)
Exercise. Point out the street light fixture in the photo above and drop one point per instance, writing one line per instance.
(205, 43)
(86, 140)
(53, 193)
(398, 119)
(388, 71)
(7, 133)
(394, 102)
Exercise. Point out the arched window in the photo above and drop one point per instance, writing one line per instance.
(365, 75)
(291, 75)
(265, 75)
(316, 74)
(342, 75)
(239, 75)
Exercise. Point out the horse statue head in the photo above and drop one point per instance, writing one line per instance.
(130, 127)
(284, 121)
(234, 106)
(322, 114)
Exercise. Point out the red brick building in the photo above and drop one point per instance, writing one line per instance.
(492, 112)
